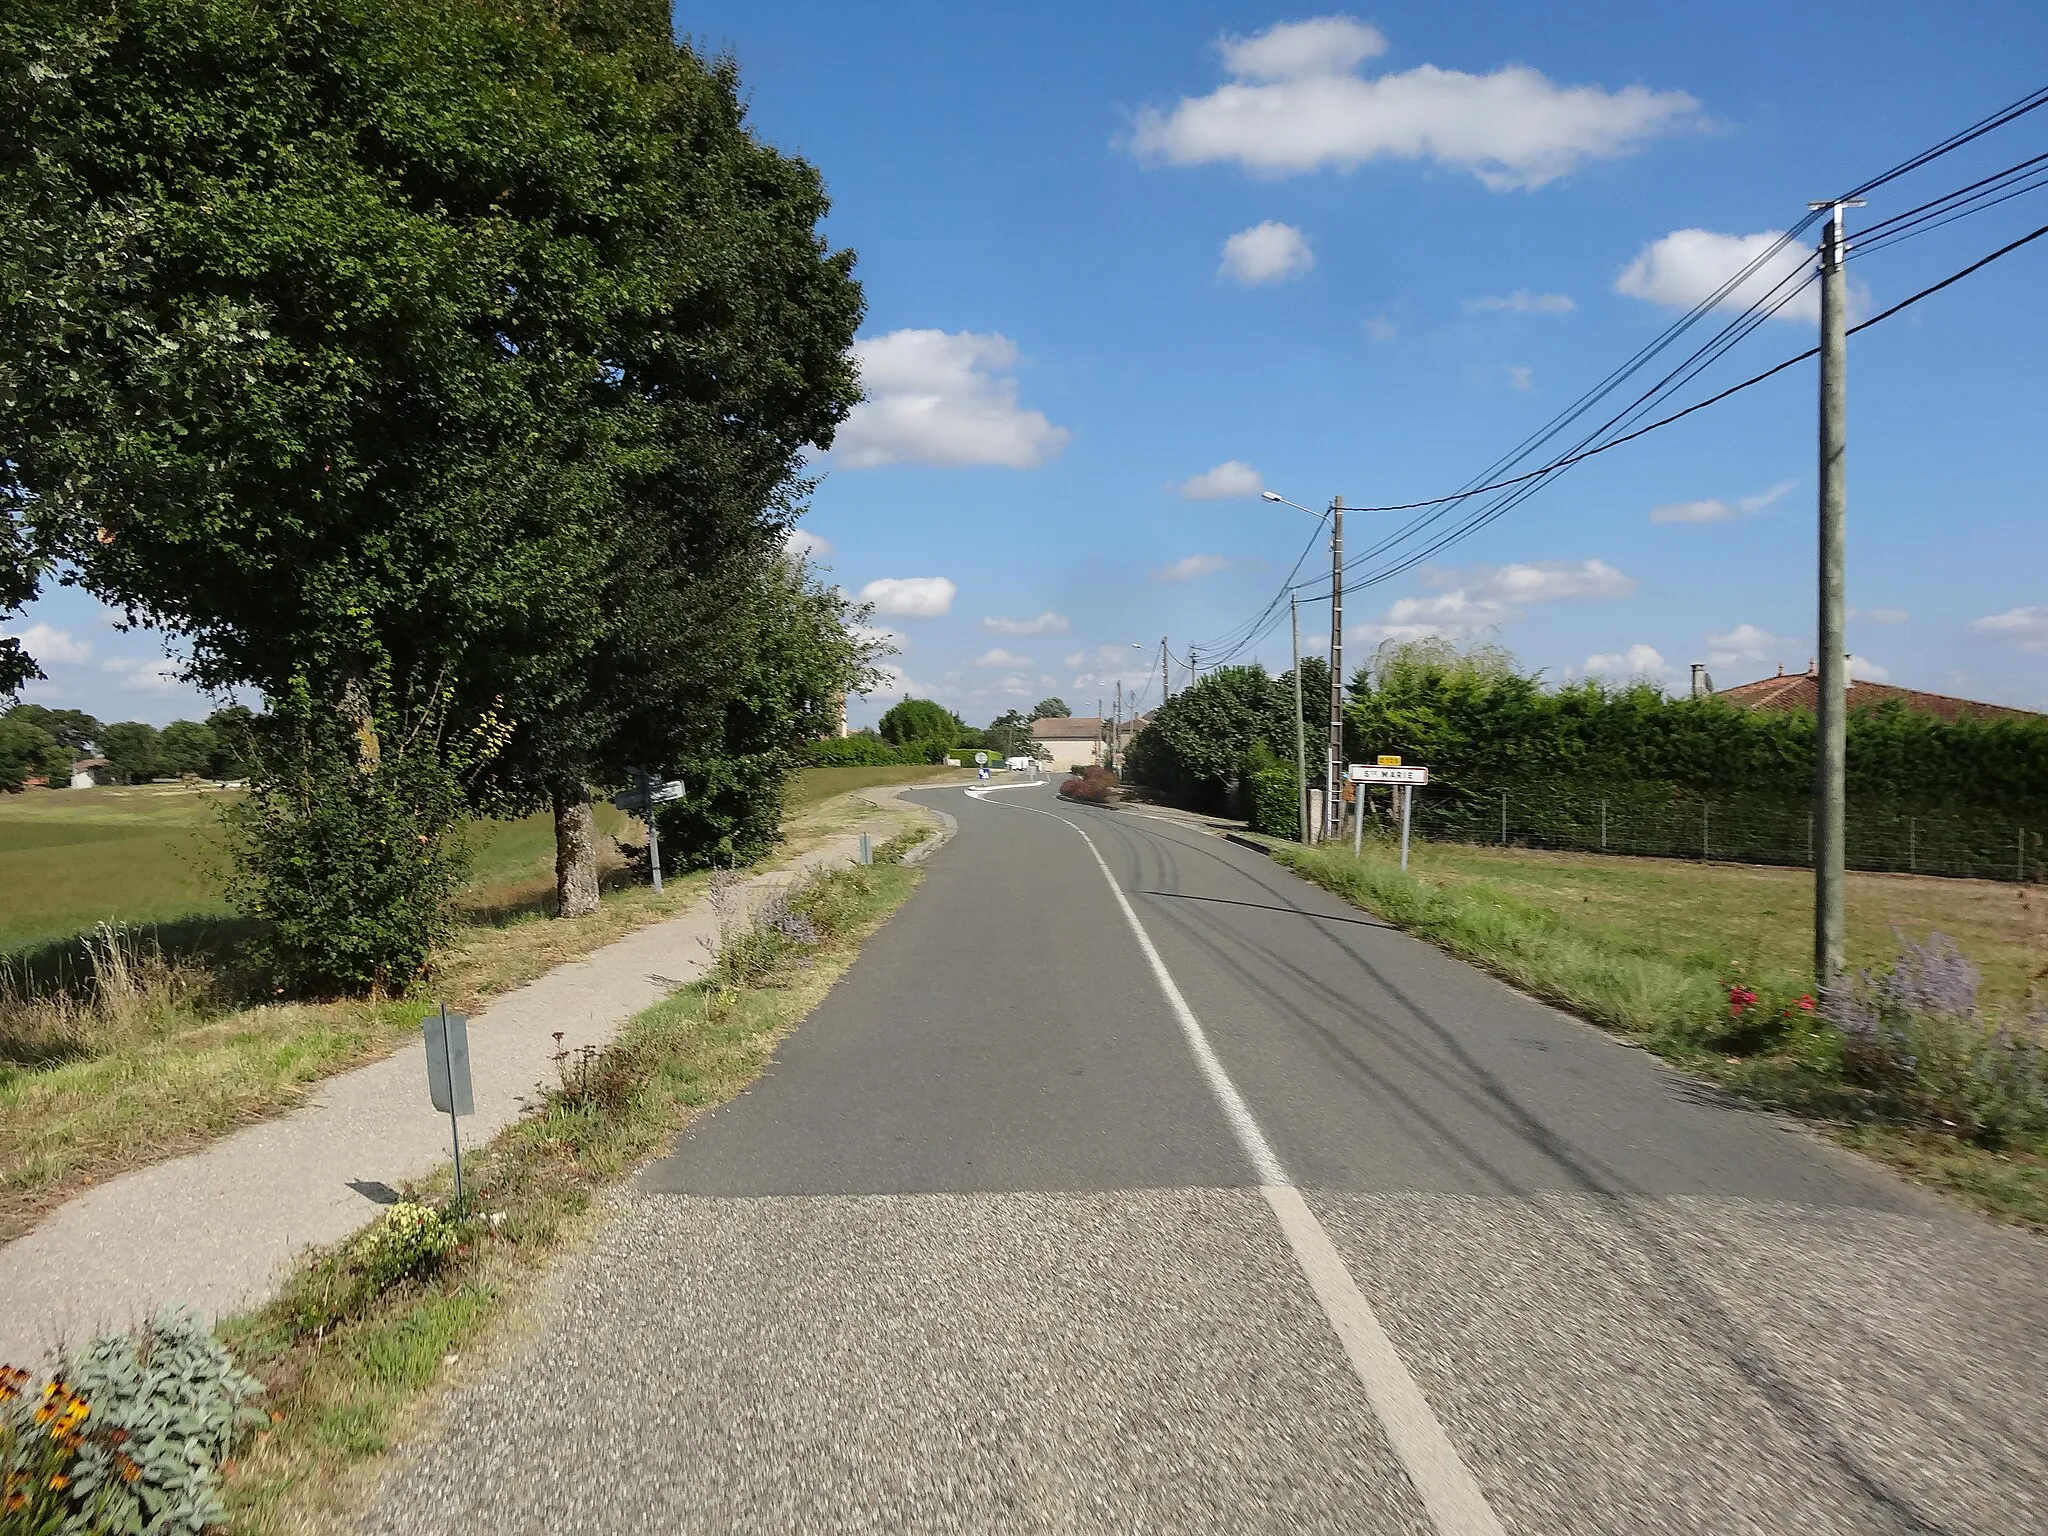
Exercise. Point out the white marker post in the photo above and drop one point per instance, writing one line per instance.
(448, 1086)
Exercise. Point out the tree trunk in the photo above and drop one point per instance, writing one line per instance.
(575, 854)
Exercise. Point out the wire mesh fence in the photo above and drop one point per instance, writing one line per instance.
(1659, 821)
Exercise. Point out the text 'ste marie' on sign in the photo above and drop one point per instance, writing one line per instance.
(1373, 773)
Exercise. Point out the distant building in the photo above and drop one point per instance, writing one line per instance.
(1074, 739)
(88, 771)
(1788, 692)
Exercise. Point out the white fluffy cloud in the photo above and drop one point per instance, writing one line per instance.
(1294, 103)
(1487, 596)
(1520, 376)
(942, 397)
(1188, 567)
(1863, 668)
(910, 597)
(1532, 581)
(1233, 477)
(1523, 302)
(1714, 510)
(1746, 642)
(1381, 327)
(1044, 624)
(1689, 266)
(141, 675)
(1001, 658)
(1636, 661)
(2026, 627)
(1267, 253)
(48, 644)
(805, 545)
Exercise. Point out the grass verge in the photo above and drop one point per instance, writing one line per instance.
(1678, 1005)
(177, 1056)
(348, 1366)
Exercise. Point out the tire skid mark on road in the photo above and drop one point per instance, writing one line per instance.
(1450, 1494)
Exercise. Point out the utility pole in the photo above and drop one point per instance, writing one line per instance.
(1831, 745)
(1116, 726)
(1165, 673)
(1300, 725)
(1333, 805)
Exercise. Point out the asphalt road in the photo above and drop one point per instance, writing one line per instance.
(1128, 1183)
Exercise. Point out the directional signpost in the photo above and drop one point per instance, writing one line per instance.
(641, 801)
(1389, 770)
(981, 765)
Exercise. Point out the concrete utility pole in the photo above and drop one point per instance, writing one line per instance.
(1116, 726)
(1300, 725)
(1831, 682)
(1333, 803)
(1165, 673)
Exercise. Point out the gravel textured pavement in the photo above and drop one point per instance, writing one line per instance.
(996, 1246)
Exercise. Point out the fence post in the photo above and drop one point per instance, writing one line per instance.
(2021, 869)
(1603, 824)
(1809, 837)
(1706, 825)
(1912, 845)
(1504, 819)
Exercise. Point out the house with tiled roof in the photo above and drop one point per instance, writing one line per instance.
(1788, 692)
(1071, 740)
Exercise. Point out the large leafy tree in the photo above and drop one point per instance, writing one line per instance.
(306, 305)
(728, 360)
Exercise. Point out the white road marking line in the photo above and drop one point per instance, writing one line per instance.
(1450, 1494)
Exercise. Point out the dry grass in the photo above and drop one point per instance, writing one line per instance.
(345, 1379)
(99, 1075)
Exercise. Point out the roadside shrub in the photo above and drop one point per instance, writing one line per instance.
(408, 1244)
(170, 1405)
(1091, 791)
(1271, 793)
(1911, 1035)
(347, 857)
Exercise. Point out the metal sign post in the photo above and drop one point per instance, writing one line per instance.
(1389, 770)
(641, 802)
(448, 1088)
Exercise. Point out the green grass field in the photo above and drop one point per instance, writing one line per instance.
(1760, 917)
(152, 853)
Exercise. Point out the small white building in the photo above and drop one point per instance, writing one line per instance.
(89, 771)
(1072, 740)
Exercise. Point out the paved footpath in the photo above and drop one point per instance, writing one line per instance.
(1128, 1183)
(217, 1229)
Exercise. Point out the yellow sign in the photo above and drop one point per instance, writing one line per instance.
(1389, 762)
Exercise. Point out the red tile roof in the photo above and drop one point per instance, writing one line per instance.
(1801, 690)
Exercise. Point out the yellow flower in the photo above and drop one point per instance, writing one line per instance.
(59, 1481)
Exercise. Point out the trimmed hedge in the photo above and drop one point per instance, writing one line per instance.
(865, 751)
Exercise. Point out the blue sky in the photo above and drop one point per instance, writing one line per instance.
(1118, 254)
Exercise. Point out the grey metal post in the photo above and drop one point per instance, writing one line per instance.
(867, 850)
(454, 1125)
(1407, 801)
(1603, 824)
(1333, 808)
(1831, 746)
(1357, 821)
(653, 831)
(1503, 818)
(1706, 826)
(1912, 845)
(1300, 726)
(2021, 868)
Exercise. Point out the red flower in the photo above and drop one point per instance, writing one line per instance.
(1739, 998)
